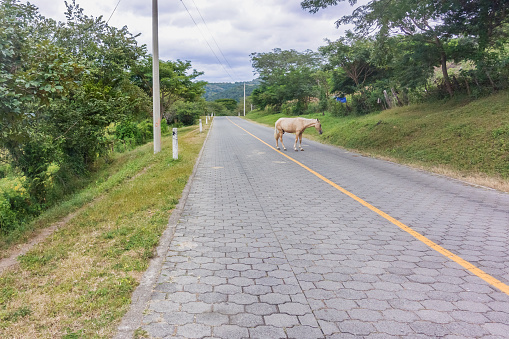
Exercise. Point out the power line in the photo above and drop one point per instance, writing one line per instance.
(219, 48)
(206, 40)
(113, 11)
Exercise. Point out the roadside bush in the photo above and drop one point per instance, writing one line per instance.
(363, 104)
(338, 109)
(187, 113)
(294, 108)
(129, 134)
(165, 128)
(34, 159)
(287, 108)
(315, 108)
(15, 205)
(139, 132)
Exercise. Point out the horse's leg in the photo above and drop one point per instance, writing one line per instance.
(296, 139)
(277, 139)
(281, 136)
(300, 142)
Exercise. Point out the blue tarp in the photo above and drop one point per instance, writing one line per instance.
(343, 100)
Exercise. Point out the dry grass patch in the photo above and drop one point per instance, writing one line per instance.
(475, 179)
(78, 282)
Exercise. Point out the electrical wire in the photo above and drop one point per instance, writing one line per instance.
(113, 11)
(219, 48)
(206, 40)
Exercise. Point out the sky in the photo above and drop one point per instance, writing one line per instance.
(216, 36)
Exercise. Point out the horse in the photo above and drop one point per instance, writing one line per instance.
(294, 125)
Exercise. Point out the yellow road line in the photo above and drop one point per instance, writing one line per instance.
(465, 264)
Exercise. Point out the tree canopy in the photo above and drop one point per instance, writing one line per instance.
(285, 75)
(63, 87)
(444, 30)
(396, 52)
(177, 82)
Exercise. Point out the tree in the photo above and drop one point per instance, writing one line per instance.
(434, 25)
(105, 95)
(187, 112)
(273, 65)
(300, 85)
(177, 82)
(483, 19)
(61, 86)
(412, 64)
(58, 95)
(229, 104)
(286, 75)
(418, 20)
(216, 108)
(485, 22)
(32, 71)
(353, 54)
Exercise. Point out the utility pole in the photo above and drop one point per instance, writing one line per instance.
(244, 99)
(156, 105)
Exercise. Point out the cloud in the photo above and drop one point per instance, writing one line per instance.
(239, 28)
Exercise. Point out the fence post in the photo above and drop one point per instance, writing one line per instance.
(175, 145)
(387, 99)
(201, 127)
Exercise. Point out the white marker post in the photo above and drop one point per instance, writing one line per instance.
(206, 120)
(201, 127)
(175, 145)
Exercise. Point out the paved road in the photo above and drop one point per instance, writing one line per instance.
(265, 248)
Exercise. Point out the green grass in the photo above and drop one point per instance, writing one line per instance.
(470, 138)
(78, 282)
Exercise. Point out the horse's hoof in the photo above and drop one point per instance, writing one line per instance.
(278, 148)
(296, 150)
(284, 149)
(302, 149)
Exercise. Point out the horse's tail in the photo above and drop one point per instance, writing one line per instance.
(275, 130)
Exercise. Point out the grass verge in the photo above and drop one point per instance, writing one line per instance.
(460, 138)
(78, 282)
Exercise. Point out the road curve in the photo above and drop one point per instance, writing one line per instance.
(327, 243)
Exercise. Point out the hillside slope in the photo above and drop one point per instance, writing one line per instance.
(227, 90)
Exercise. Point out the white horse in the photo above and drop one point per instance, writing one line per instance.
(294, 125)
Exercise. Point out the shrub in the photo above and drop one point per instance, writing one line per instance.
(129, 134)
(287, 108)
(363, 104)
(125, 130)
(186, 113)
(15, 205)
(338, 109)
(145, 131)
(270, 109)
(294, 108)
(315, 108)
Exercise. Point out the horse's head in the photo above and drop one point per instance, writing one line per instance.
(318, 126)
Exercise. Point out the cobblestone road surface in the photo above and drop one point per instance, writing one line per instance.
(266, 249)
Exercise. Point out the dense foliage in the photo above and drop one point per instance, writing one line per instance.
(176, 85)
(398, 52)
(70, 92)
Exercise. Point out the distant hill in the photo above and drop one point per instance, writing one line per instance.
(228, 90)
